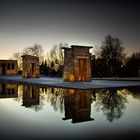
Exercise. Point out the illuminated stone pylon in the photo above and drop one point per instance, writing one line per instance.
(77, 63)
(30, 66)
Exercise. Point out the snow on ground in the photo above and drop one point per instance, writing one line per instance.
(58, 82)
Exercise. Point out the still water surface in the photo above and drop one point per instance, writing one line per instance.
(33, 112)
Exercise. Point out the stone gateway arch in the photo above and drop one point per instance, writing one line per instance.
(30, 66)
(77, 63)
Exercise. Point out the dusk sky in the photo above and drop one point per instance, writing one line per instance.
(24, 23)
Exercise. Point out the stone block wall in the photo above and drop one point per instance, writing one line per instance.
(30, 66)
(8, 67)
(77, 63)
(68, 65)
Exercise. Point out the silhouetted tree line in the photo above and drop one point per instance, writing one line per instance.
(54, 62)
(109, 60)
(112, 62)
(51, 69)
(132, 66)
(51, 64)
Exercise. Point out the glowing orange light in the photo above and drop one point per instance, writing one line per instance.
(71, 77)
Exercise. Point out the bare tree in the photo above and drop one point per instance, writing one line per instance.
(53, 53)
(35, 50)
(112, 102)
(56, 54)
(17, 56)
(112, 52)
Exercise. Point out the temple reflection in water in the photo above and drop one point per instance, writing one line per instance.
(8, 90)
(73, 103)
(77, 105)
(30, 95)
(34, 112)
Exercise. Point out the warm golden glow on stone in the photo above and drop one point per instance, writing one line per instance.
(71, 77)
(79, 78)
(77, 60)
(8, 67)
(30, 66)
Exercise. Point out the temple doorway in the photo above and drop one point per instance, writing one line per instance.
(82, 69)
(32, 69)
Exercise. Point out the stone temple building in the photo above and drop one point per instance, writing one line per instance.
(30, 67)
(77, 63)
(8, 67)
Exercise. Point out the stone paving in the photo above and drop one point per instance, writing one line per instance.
(58, 82)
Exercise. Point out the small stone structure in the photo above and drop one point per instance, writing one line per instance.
(30, 66)
(8, 67)
(77, 63)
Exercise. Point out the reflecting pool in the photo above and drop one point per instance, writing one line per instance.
(33, 112)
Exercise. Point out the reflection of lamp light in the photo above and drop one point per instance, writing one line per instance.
(71, 91)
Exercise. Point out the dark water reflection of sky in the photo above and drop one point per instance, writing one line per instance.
(31, 112)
